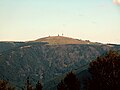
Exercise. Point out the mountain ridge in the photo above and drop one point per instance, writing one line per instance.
(53, 40)
(41, 61)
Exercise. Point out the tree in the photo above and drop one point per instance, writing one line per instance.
(38, 86)
(28, 84)
(70, 82)
(105, 71)
(30, 87)
(4, 85)
(61, 86)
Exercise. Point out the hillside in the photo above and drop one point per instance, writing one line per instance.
(62, 40)
(44, 62)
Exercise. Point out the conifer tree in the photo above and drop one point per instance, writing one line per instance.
(70, 82)
(4, 85)
(61, 86)
(38, 86)
(105, 73)
(28, 84)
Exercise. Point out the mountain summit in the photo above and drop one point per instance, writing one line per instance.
(62, 40)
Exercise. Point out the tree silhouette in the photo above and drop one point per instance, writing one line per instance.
(30, 87)
(28, 84)
(61, 86)
(105, 73)
(70, 82)
(38, 86)
(5, 86)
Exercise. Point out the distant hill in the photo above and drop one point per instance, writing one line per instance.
(62, 40)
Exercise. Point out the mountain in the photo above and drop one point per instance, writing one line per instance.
(62, 40)
(45, 60)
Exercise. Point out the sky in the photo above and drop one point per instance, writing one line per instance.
(94, 20)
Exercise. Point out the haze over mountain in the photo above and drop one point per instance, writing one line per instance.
(46, 59)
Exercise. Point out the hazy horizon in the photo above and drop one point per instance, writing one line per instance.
(24, 20)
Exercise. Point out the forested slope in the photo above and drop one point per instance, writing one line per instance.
(44, 62)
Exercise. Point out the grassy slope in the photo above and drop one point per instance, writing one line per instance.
(62, 40)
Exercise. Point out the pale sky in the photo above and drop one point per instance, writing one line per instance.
(94, 20)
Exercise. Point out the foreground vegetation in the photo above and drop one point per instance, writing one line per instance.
(105, 73)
